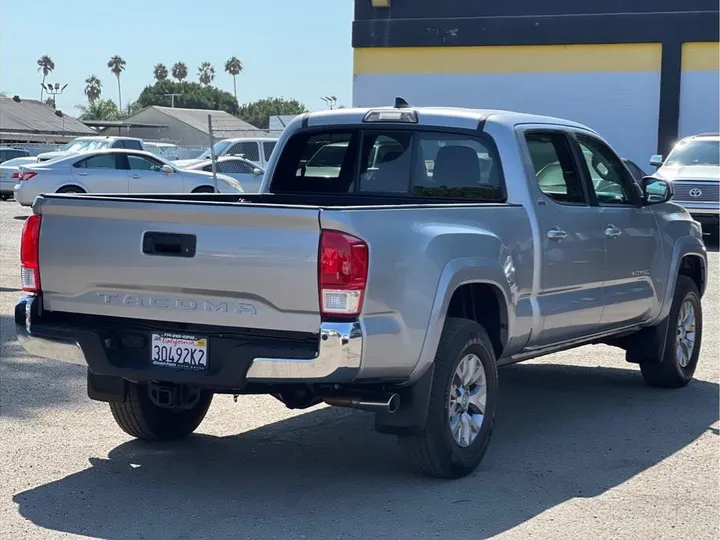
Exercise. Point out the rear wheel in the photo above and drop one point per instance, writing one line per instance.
(676, 366)
(71, 189)
(204, 189)
(139, 417)
(462, 404)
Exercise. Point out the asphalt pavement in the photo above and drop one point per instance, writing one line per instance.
(581, 449)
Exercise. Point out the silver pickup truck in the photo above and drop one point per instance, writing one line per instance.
(396, 285)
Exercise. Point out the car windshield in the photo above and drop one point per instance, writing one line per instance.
(695, 153)
(85, 144)
(219, 147)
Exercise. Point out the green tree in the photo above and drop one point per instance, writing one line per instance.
(117, 66)
(206, 73)
(192, 96)
(99, 109)
(93, 88)
(258, 112)
(234, 67)
(46, 66)
(179, 71)
(131, 109)
(160, 72)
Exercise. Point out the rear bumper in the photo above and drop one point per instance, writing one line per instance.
(234, 359)
(24, 196)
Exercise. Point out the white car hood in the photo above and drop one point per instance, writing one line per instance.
(46, 156)
(689, 172)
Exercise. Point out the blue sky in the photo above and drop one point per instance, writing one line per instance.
(297, 49)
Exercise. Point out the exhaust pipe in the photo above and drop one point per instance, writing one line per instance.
(389, 403)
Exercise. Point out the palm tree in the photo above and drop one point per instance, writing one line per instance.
(206, 73)
(160, 72)
(99, 109)
(234, 67)
(179, 71)
(93, 88)
(117, 66)
(46, 65)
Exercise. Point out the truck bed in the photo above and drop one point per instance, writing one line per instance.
(247, 261)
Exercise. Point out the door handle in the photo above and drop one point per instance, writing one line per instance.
(169, 244)
(82, 173)
(556, 233)
(136, 176)
(612, 231)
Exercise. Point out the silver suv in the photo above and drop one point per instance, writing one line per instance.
(693, 166)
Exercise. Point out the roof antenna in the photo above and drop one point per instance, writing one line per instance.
(400, 103)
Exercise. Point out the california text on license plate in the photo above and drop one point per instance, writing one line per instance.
(179, 351)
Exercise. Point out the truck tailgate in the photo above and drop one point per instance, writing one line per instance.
(253, 266)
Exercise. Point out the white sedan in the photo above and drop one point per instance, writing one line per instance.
(114, 171)
(244, 171)
(9, 174)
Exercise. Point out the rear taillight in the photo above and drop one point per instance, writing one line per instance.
(15, 176)
(27, 175)
(343, 269)
(30, 254)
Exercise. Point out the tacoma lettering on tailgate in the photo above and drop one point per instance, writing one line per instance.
(177, 303)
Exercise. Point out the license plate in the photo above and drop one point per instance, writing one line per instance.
(179, 351)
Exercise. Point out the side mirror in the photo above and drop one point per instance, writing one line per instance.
(656, 190)
(656, 160)
(257, 171)
(167, 169)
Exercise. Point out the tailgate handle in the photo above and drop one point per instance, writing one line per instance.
(169, 244)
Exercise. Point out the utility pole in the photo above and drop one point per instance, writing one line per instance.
(212, 153)
(330, 101)
(54, 90)
(172, 99)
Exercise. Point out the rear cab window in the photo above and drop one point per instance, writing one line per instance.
(417, 163)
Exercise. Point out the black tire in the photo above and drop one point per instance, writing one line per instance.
(435, 452)
(667, 371)
(71, 189)
(204, 189)
(139, 417)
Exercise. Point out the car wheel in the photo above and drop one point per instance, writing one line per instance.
(675, 366)
(204, 189)
(139, 417)
(462, 404)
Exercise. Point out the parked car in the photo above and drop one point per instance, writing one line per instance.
(114, 171)
(255, 149)
(397, 292)
(9, 175)
(88, 144)
(693, 166)
(246, 172)
(7, 153)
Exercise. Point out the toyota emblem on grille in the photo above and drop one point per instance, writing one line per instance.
(695, 192)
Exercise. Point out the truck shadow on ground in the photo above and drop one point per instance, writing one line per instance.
(562, 432)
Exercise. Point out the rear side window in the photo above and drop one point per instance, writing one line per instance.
(132, 145)
(391, 162)
(268, 147)
(555, 171)
(106, 161)
(248, 150)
